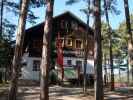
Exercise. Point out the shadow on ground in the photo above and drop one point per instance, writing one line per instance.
(68, 93)
(120, 94)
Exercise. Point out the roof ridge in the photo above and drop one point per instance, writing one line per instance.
(69, 12)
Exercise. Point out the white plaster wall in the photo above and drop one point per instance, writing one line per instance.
(27, 71)
(90, 64)
(72, 59)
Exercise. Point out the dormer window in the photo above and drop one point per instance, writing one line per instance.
(74, 25)
(69, 42)
(64, 24)
(79, 44)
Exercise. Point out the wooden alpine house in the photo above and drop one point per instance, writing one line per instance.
(67, 48)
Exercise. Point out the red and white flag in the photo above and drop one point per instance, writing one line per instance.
(60, 53)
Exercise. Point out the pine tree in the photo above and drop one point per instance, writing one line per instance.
(129, 32)
(86, 46)
(18, 50)
(98, 51)
(45, 62)
(87, 11)
(110, 45)
(1, 18)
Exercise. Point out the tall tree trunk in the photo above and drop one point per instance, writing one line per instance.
(111, 61)
(86, 44)
(18, 50)
(45, 63)
(110, 46)
(1, 17)
(105, 70)
(85, 63)
(128, 77)
(129, 31)
(98, 51)
(119, 73)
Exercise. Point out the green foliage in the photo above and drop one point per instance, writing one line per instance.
(7, 26)
(105, 38)
(70, 2)
(11, 6)
(111, 7)
(124, 35)
(37, 3)
(122, 28)
(115, 41)
(6, 52)
(119, 39)
(53, 77)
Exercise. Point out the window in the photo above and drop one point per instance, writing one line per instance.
(62, 24)
(36, 65)
(66, 24)
(79, 63)
(74, 25)
(78, 44)
(69, 42)
(69, 62)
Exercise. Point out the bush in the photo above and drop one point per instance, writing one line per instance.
(53, 77)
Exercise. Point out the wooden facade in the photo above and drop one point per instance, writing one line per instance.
(72, 33)
(71, 30)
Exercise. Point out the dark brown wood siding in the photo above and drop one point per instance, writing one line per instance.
(67, 25)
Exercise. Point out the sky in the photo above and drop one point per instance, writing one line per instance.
(60, 7)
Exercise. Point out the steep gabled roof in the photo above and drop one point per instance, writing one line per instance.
(60, 15)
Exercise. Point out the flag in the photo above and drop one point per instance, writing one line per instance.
(60, 54)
